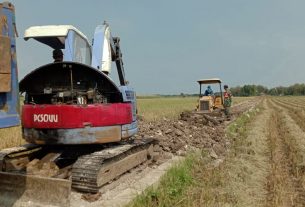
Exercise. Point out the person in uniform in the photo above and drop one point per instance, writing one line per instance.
(227, 101)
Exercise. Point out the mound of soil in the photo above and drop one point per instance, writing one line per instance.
(192, 130)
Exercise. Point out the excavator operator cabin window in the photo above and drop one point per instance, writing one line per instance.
(81, 50)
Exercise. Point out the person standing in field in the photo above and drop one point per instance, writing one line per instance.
(227, 101)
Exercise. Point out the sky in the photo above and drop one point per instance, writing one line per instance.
(168, 45)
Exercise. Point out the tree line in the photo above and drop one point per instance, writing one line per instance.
(257, 90)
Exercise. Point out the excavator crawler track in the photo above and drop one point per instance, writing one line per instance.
(94, 170)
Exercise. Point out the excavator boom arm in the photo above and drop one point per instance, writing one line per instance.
(106, 49)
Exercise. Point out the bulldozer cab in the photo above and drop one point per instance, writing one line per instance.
(210, 98)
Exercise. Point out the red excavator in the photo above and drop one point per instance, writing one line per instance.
(78, 121)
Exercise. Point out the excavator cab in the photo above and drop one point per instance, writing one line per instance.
(73, 42)
(208, 102)
(76, 101)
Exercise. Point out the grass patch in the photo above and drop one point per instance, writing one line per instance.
(237, 131)
(11, 137)
(172, 186)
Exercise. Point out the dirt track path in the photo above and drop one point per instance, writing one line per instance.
(273, 170)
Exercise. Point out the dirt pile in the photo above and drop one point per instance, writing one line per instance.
(191, 130)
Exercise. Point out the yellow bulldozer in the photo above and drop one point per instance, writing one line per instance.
(210, 101)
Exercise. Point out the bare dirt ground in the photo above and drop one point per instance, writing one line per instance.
(175, 138)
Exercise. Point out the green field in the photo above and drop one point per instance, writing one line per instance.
(154, 109)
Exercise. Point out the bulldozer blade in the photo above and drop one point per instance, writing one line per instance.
(25, 190)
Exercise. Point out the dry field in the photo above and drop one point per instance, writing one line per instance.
(266, 163)
(10, 137)
(264, 166)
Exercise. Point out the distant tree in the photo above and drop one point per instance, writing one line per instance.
(261, 90)
(273, 92)
(248, 90)
(256, 90)
(236, 91)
